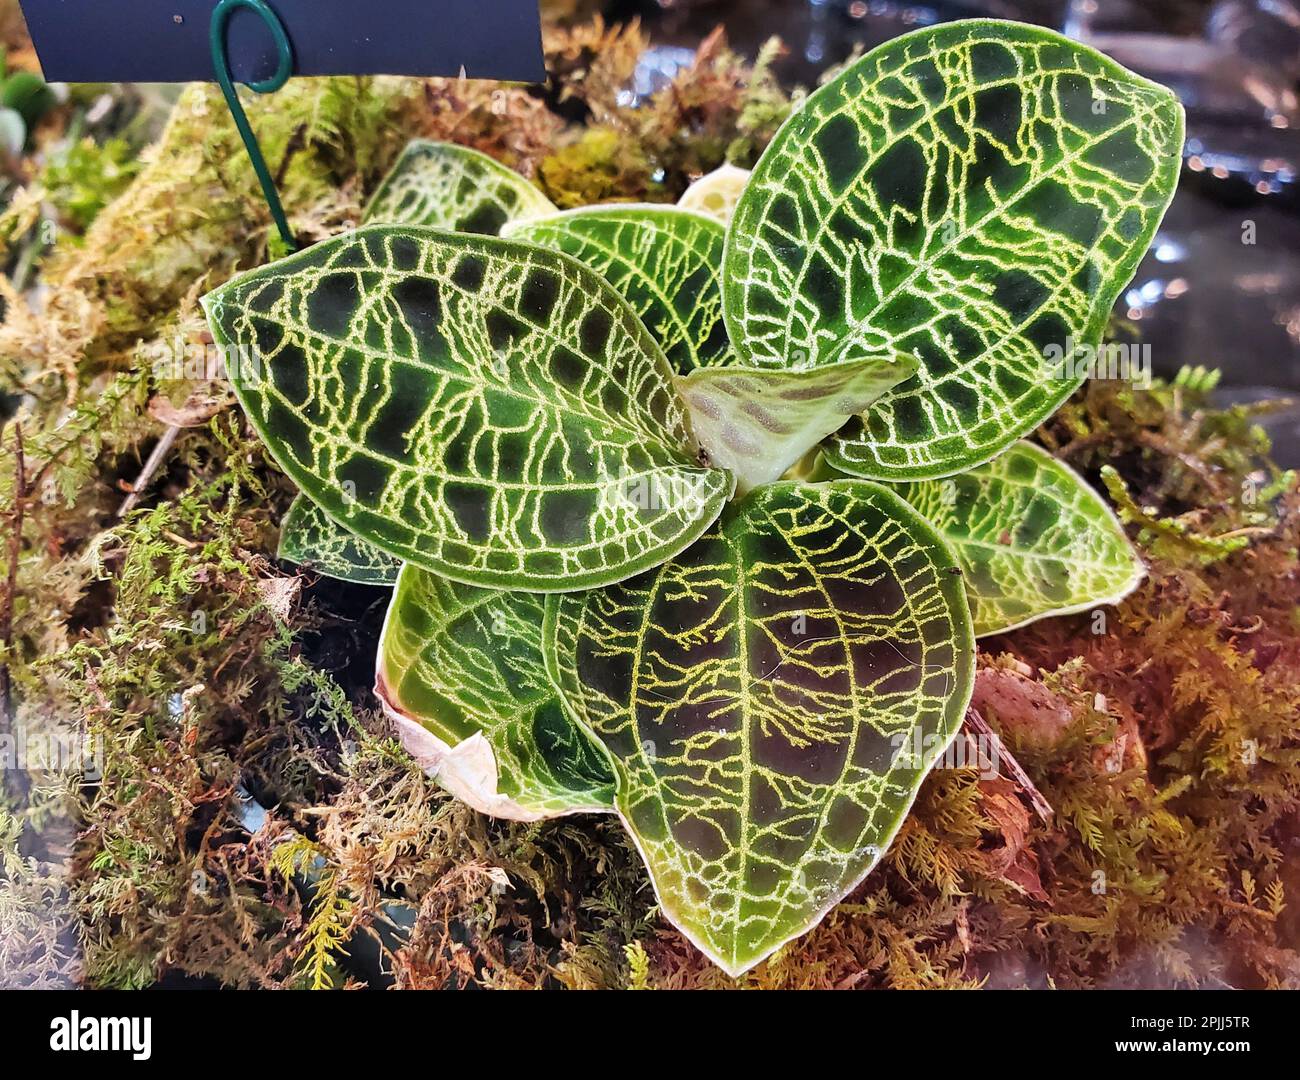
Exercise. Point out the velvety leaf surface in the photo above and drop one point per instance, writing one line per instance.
(664, 261)
(451, 187)
(758, 422)
(308, 537)
(772, 698)
(488, 410)
(1032, 538)
(716, 193)
(461, 673)
(971, 194)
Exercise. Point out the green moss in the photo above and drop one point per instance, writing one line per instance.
(87, 177)
(196, 210)
(604, 165)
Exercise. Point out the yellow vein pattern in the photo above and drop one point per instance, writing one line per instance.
(762, 697)
(664, 261)
(1032, 538)
(466, 665)
(971, 194)
(485, 409)
(451, 187)
(310, 538)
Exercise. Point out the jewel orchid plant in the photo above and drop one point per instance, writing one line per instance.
(694, 513)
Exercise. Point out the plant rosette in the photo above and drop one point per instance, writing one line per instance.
(693, 514)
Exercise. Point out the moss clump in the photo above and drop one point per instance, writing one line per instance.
(719, 109)
(604, 165)
(196, 209)
(84, 179)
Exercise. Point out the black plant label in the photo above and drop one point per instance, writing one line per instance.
(167, 40)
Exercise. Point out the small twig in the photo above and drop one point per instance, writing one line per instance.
(26, 260)
(180, 541)
(1041, 806)
(11, 588)
(1083, 442)
(150, 467)
(1249, 530)
(92, 681)
(11, 583)
(297, 141)
(1161, 445)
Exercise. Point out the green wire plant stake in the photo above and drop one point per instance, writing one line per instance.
(221, 62)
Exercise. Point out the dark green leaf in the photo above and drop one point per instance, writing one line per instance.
(772, 699)
(974, 194)
(461, 674)
(1031, 537)
(309, 537)
(664, 261)
(452, 187)
(486, 409)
